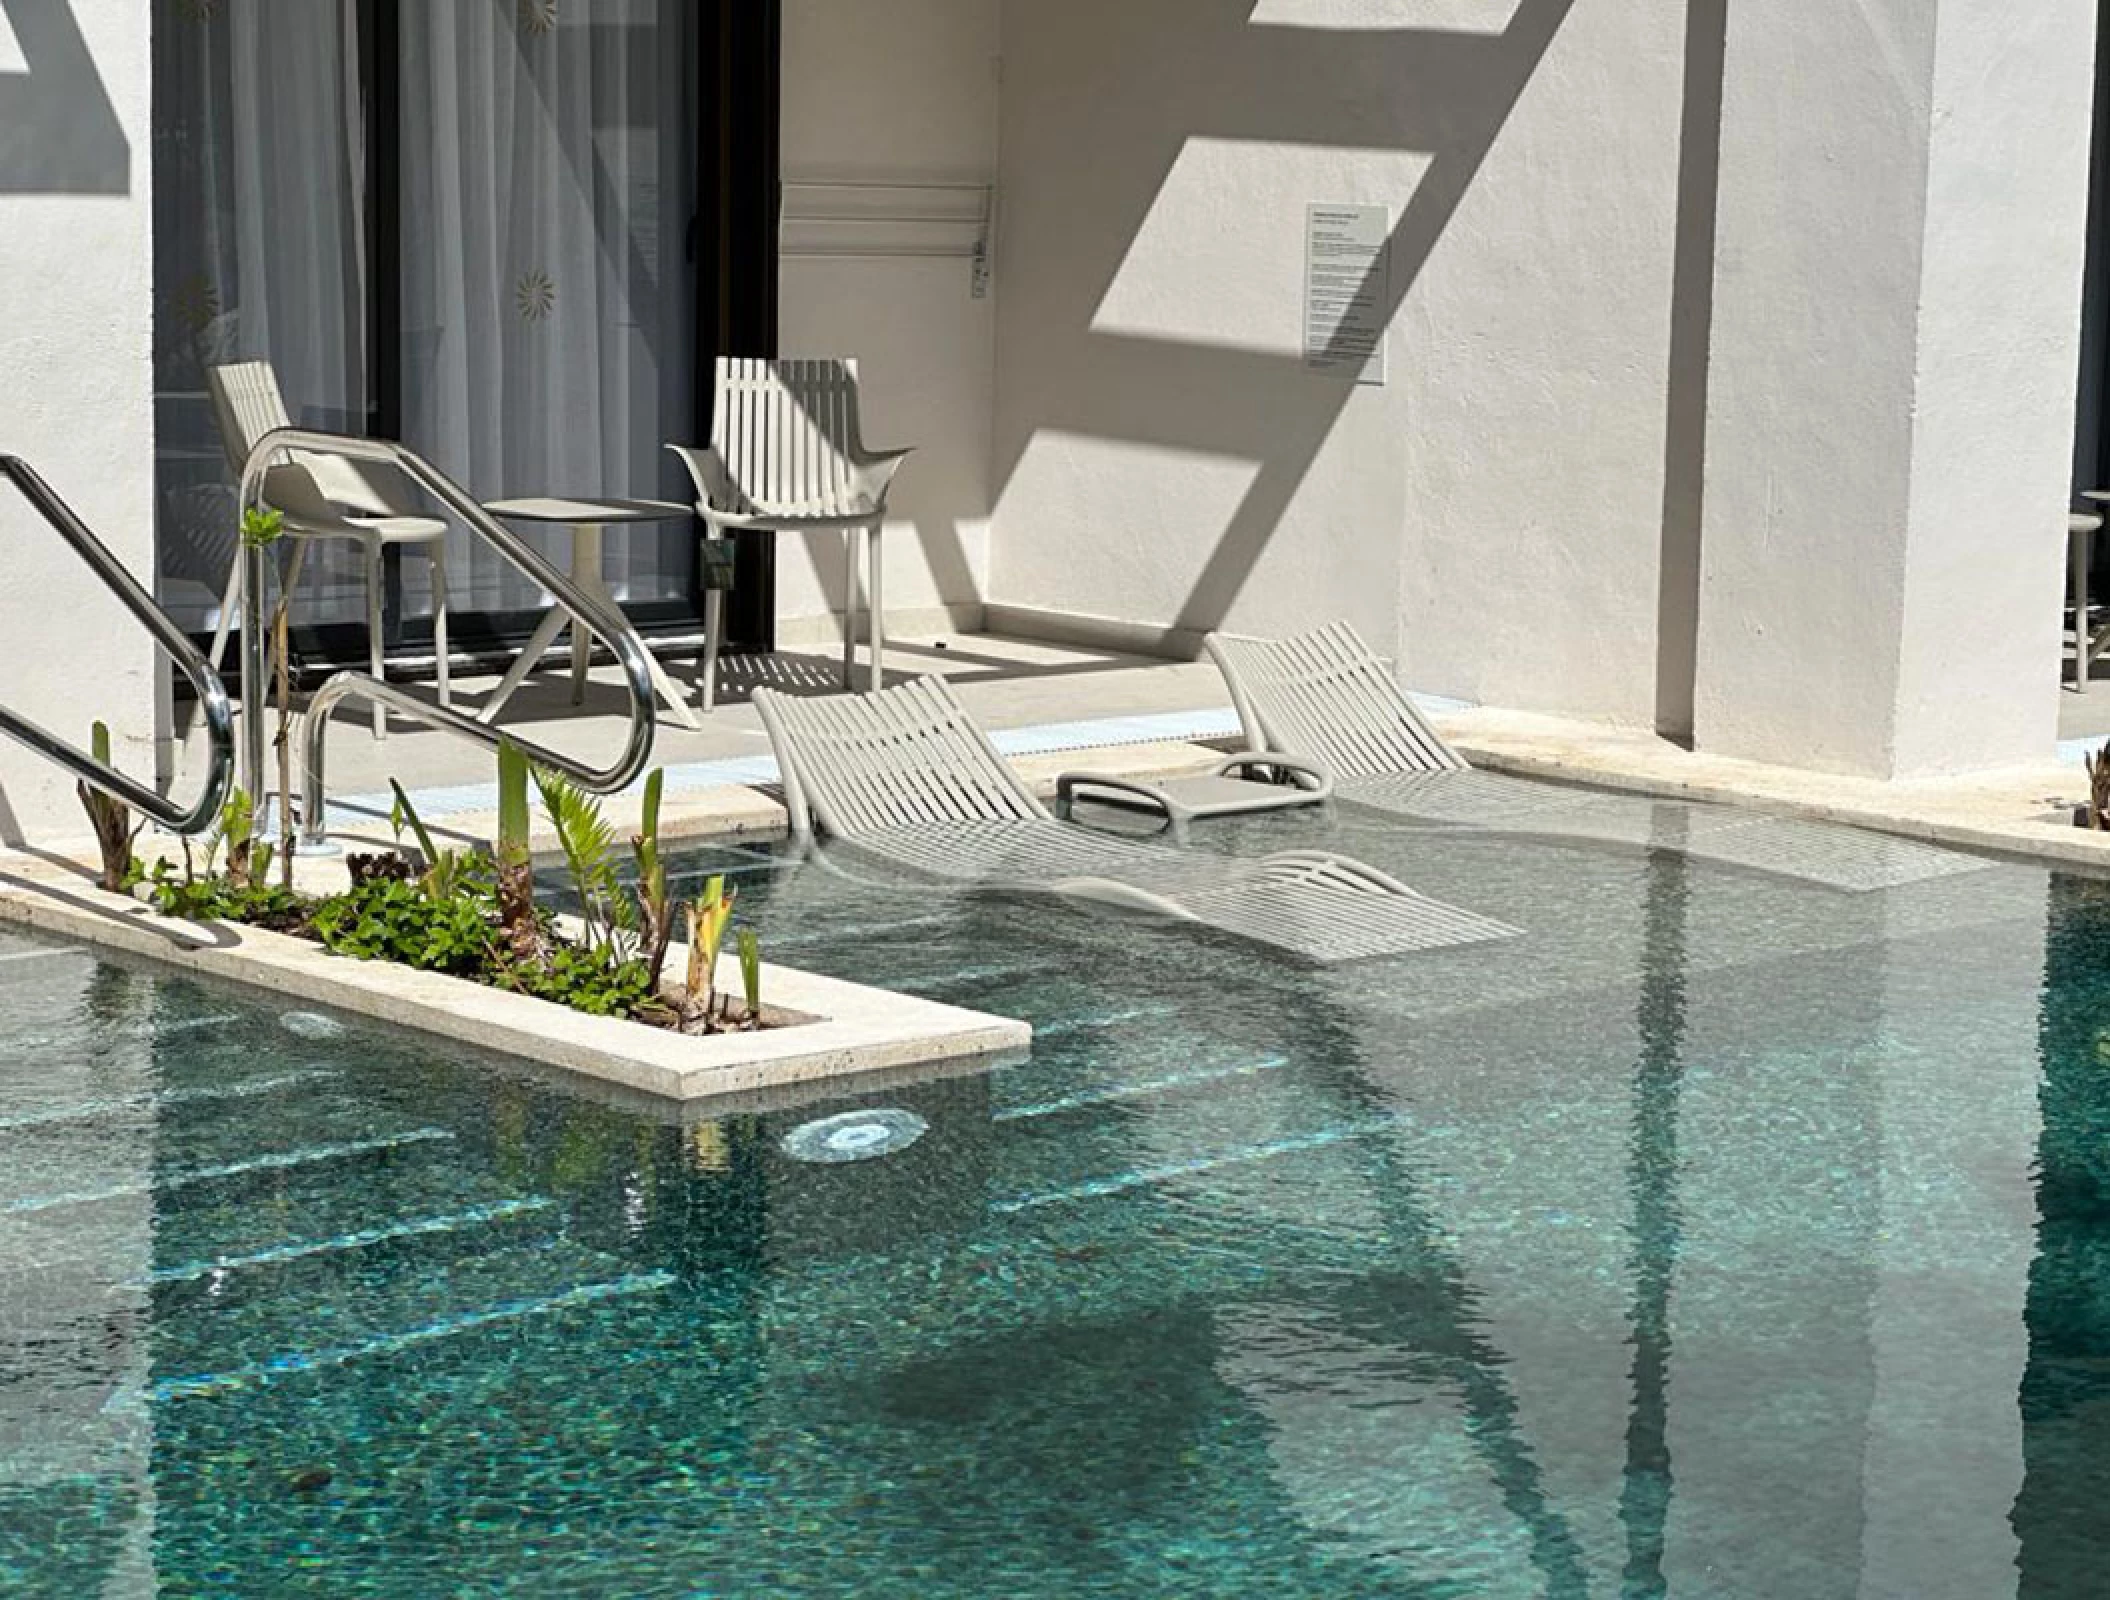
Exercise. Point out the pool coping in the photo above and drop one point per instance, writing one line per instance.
(2013, 811)
(853, 1029)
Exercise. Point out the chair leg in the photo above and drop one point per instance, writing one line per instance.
(375, 663)
(231, 598)
(436, 554)
(876, 628)
(853, 540)
(2079, 552)
(713, 637)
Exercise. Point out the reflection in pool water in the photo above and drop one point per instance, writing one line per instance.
(1720, 1237)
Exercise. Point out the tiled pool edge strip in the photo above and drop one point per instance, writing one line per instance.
(855, 1031)
(1175, 727)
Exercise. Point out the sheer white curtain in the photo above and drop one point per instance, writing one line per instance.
(547, 288)
(260, 252)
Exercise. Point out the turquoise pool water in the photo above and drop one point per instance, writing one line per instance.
(1721, 1237)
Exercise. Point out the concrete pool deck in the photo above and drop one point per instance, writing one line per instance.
(1054, 707)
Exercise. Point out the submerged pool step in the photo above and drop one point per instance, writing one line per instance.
(325, 1201)
(350, 1300)
(13, 961)
(1156, 1113)
(1143, 1089)
(1058, 1269)
(268, 1162)
(836, 939)
(1101, 1021)
(158, 1100)
(1155, 1174)
(377, 1346)
(394, 1233)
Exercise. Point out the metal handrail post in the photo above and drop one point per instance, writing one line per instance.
(254, 669)
(212, 694)
(600, 619)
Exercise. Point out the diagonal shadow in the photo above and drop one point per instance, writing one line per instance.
(59, 133)
(1449, 94)
(1658, 1227)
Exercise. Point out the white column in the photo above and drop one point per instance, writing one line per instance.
(76, 345)
(1895, 342)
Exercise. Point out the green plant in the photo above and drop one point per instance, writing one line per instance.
(263, 527)
(248, 858)
(596, 981)
(112, 820)
(655, 909)
(708, 918)
(517, 918)
(447, 873)
(750, 949)
(217, 898)
(389, 919)
(588, 843)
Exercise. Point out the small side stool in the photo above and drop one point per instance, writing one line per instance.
(1214, 793)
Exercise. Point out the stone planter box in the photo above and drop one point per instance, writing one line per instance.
(830, 1029)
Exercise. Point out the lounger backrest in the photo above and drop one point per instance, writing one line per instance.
(857, 764)
(1323, 695)
(247, 404)
(787, 432)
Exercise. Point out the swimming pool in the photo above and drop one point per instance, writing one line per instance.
(1720, 1237)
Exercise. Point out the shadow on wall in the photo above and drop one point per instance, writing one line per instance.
(59, 133)
(1444, 93)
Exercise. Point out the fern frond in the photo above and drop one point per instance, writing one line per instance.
(588, 841)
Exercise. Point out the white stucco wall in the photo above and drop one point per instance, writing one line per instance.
(1492, 515)
(897, 91)
(1896, 333)
(76, 274)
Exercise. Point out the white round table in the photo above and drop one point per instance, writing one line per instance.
(586, 519)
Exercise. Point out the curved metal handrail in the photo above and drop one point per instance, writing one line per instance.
(603, 621)
(212, 694)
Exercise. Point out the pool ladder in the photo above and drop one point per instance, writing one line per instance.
(597, 616)
(211, 693)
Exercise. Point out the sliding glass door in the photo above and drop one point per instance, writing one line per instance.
(260, 249)
(489, 228)
(548, 278)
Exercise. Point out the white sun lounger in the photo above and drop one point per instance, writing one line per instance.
(1325, 697)
(904, 777)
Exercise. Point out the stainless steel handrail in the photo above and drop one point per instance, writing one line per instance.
(212, 694)
(603, 621)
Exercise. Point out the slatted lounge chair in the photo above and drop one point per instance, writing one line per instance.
(1325, 697)
(903, 777)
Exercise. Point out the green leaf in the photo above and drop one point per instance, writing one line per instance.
(512, 803)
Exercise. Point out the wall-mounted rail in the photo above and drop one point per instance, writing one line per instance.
(598, 617)
(865, 219)
(212, 695)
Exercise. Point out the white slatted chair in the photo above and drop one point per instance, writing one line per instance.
(787, 455)
(323, 497)
(1324, 696)
(903, 776)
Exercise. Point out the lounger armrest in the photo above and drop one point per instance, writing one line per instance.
(1069, 783)
(875, 472)
(713, 480)
(1305, 774)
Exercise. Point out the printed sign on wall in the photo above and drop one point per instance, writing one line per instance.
(1347, 268)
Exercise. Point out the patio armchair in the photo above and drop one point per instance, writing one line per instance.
(323, 497)
(787, 455)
